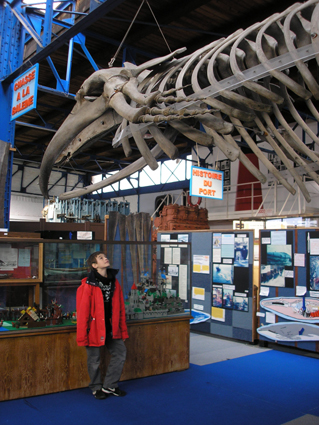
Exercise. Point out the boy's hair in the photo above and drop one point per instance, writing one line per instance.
(92, 258)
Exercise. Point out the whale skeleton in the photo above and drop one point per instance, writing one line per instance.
(230, 87)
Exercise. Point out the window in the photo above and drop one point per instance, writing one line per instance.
(167, 172)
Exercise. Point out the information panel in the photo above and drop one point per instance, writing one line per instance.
(206, 183)
(24, 97)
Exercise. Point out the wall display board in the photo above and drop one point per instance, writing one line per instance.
(222, 267)
(289, 292)
(276, 258)
(230, 287)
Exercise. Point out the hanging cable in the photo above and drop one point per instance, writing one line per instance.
(158, 26)
(122, 42)
(124, 38)
(198, 163)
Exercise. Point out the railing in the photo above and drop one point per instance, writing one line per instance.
(272, 201)
(264, 201)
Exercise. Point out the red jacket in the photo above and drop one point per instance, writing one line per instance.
(90, 314)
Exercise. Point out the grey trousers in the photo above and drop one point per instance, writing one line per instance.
(117, 349)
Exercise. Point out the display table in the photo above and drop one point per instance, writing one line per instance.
(43, 361)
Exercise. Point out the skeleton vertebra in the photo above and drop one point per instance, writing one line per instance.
(233, 84)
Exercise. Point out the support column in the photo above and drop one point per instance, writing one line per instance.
(11, 55)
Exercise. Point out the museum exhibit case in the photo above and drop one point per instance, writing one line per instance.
(42, 324)
(21, 272)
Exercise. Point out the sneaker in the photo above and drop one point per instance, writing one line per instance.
(99, 394)
(115, 391)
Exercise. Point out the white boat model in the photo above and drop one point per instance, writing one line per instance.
(290, 331)
(293, 308)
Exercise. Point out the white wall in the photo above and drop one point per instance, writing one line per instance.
(26, 207)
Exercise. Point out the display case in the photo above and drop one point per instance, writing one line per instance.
(157, 310)
(20, 261)
(21, 272)
(154, 285)
(149, 289)
(64, 268)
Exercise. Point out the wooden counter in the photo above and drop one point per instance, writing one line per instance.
(46, 361)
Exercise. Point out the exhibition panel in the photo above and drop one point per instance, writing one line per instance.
(222, 295)
(289, 296)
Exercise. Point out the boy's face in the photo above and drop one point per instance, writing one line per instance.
(101, 262)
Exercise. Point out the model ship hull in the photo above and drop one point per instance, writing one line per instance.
(198, 316)
(290, 331)
(291, 308)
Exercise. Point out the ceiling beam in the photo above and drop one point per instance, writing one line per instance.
(80, 26)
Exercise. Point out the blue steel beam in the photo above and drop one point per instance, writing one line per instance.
(56, 92)
(79, 39)
(56, 75)
(11, 40)
(47, 27)
(25, 24)
(80, 26)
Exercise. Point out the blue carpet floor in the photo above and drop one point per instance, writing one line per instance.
(269, 388)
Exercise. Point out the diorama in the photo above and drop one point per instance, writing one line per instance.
(147, 300)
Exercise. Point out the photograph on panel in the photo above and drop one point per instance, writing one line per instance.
(279, 255)
(223, 273)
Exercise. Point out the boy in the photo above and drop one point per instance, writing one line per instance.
(101, 321)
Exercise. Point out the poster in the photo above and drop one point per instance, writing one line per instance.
(198, 293)
(223, 273)
(314, 246)
(217, 240)
(167, 255)
(217, 296)
(201, 264)
(278, 237)
(218, 314)
(182, 282)
(241, 252)
(279, 254)
(314, 272)
(176, 256)
(228, 297)
(240, 302)
(272, 275)
(24, 257)
(8, 258)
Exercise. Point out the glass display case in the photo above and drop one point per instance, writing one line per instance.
(20, 261)
(64, 268)
(20, 277)
(155, 280)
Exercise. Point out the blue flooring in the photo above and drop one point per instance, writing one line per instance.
(269, 388)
